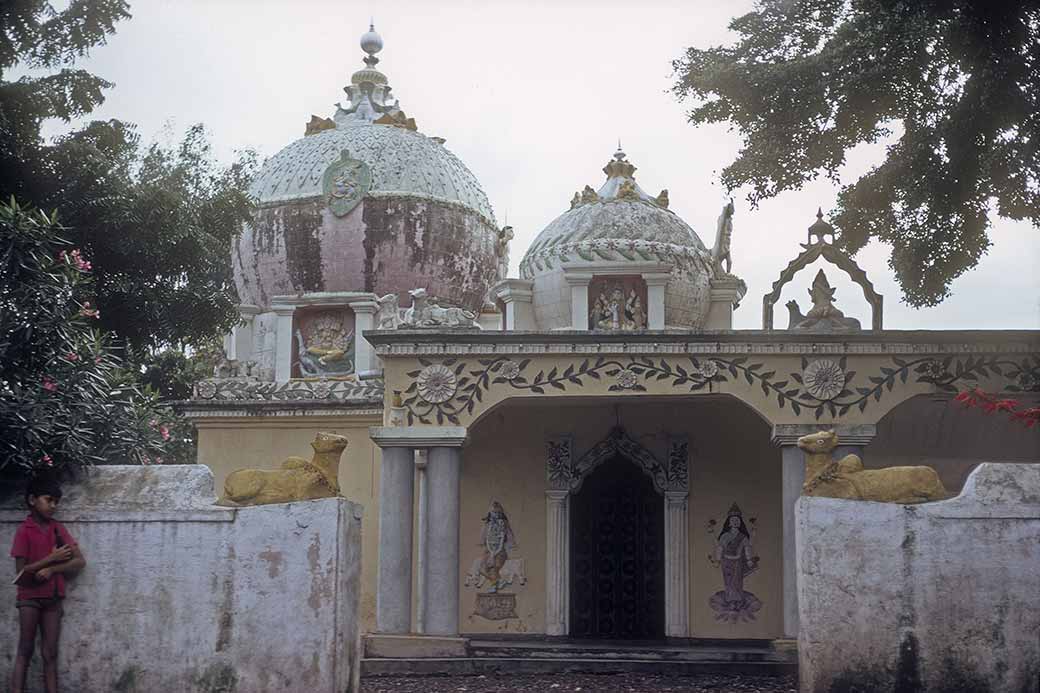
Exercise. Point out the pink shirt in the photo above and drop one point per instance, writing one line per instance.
(34, 542)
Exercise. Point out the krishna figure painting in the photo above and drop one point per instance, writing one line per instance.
(736, 558)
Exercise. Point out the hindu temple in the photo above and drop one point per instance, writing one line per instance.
(588, 449)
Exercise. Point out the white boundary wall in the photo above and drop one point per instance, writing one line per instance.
(180, 595)
(936, 597)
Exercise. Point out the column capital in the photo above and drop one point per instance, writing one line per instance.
(413, 437)
(676, 496)
(364, 307)
(848, 434)
(557, 494)
(577, 278)
(248, 311)
(656, 278)
(511, 290)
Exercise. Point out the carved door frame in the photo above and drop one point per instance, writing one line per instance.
(564, 476)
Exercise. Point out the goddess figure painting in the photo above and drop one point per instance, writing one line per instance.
(736, 558)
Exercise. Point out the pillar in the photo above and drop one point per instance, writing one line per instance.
(394, 573)
(241, 347)
(726, 293)
(283, 343)
(516, 295)
(441, 564)
(579, 283)
(676, 564)
(852, 439)
(557, 561)
(655, 285)
(364, 319)
(420, 552)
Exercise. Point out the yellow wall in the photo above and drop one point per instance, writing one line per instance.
(731, 460)
(262, 443)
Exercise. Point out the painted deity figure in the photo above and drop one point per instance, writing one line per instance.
(736, 558)
(497, 539)
(634, 311)
(326, 350)
(609, 310)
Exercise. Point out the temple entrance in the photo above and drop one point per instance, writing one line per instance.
(617, 555)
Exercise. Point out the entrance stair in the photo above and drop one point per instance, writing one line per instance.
(542, 655)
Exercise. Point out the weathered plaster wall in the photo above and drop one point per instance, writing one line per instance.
(179, 595)
(934, 597)
(385, 244)
(731, 460)
(263, 443)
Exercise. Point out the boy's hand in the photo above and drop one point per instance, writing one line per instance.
(60, 554)
(43, 574)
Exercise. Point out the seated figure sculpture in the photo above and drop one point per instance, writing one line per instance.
(846, 478)
(297, 479)
(823, 316)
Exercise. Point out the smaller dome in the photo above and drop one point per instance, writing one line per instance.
(619, 230)
(619, 214)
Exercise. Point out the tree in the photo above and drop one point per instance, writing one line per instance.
(157, 222)
(957, 80)
(65, 398)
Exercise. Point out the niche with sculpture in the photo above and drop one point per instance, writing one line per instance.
(323, 343)
(617, 302)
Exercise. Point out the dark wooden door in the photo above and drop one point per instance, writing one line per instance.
(617, 555)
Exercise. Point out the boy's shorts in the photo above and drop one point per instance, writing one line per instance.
(42, 603)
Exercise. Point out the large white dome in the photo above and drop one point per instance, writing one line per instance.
(402, 161)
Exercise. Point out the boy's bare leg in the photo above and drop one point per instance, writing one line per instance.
(28, 617)
(50, 631)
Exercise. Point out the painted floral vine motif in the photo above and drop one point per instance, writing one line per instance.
(458, 387)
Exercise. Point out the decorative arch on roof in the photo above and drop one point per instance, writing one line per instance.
(822, 248)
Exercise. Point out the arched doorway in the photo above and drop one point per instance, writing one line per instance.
(617, 555)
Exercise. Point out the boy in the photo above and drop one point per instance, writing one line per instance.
(44, 550)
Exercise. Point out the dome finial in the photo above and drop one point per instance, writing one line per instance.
(371, 43)
(619, 154)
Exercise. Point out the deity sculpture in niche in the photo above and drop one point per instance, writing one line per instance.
(735, 557)
(614, 308)
(823, 316)
(495, 571)
(325, 347)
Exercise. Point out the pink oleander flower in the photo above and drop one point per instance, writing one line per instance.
(47, 460)
(153, 423)
(49, 385)
(164, 432)
(88, 312)
(81, 264)
(72, 356)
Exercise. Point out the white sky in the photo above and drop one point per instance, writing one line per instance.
(533, 97)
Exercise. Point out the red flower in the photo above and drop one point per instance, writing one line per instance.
(88, 312)
(49, 385)
(164, 432)
(47, 460)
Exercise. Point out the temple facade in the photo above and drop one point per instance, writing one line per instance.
(589, 449)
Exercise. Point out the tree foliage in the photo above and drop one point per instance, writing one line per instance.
(66, 400)
(157, 221)
(957, 80)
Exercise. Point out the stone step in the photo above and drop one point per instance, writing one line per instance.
(715, 652)
(462, 666)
